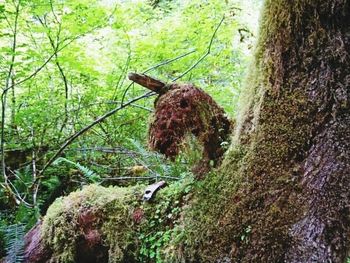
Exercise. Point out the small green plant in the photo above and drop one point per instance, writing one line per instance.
(164, 214)
(246, 233)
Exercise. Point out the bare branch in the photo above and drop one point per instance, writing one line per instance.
(205, 55)
(148, 82)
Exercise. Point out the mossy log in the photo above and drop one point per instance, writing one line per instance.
(282, 192)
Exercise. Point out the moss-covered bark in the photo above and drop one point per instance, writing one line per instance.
(282, 193)
(99, 224)
(289, 201)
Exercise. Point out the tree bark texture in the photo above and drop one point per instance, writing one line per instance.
(293, 201)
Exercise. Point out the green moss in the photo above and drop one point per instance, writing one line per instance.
(164, 219)
(106, 209)
(130, 229)
(200, 219)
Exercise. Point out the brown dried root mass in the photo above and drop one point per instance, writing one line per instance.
(186, 109)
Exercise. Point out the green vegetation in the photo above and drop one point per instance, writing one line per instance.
(63, 64)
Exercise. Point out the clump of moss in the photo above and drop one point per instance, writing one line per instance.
(87, 224)
(99, 224)
(186, 109)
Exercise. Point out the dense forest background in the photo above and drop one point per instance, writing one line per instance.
(64, 64)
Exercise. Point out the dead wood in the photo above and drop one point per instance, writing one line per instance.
(148, 82)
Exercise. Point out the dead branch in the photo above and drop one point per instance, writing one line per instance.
(168, 61)
(148, 82)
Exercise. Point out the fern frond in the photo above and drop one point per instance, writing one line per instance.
(89, 174)
(14, 234)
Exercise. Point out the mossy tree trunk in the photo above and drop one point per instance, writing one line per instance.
(292, 200)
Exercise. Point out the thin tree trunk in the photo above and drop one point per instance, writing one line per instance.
(8, 85)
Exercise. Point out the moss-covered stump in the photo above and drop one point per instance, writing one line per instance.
(185, 109)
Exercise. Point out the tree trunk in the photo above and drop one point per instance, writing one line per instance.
(282, 192)
(293, 201)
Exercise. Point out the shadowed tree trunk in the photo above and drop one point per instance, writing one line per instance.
(282, 192)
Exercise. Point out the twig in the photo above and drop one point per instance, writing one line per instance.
(205, 55)
(105, 150)
(55, 47)
(133, 105)
(126, 91)
(169, 61)
(140, 178)
(125, 68)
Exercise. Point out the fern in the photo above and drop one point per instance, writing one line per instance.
(14, 234)
(89, 174)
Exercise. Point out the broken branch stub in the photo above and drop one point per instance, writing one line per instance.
(148, 82)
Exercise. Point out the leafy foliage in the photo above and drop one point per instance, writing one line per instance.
(90, 175)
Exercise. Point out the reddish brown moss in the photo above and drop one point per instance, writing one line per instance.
(186, 109)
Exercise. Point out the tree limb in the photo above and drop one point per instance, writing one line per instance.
(157, 66)
(148, 82)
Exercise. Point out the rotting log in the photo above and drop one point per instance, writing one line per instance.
(34, 247)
